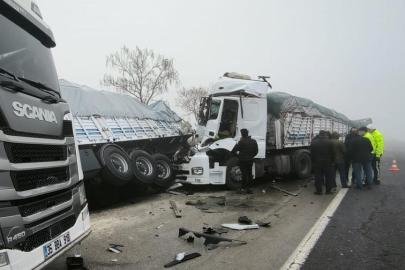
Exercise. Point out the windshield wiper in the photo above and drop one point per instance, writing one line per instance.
(39, 85)
(3, 71)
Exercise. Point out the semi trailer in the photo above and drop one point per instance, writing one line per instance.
(283, 126)
(123, 143)
(43, 205)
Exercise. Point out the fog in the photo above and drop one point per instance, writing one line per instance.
(345, 55)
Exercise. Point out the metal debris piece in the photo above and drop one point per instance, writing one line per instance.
(209, 230)
(174, 192)
(198, 202)
(239, 227)
(211, 246)
(263, 224)
(190, 239)
(116, 245)
(283, 190)
(211, 211)
(209, 239)
(244, 220)
(114, 260)
(186, 258)
(115, 250)
(158, 227)
(175, 209)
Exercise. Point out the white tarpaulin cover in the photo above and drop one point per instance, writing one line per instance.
(85, 101)
(228, 86)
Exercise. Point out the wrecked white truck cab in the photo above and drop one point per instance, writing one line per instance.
(282, 125)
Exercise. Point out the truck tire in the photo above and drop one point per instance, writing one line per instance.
(145, 169)
(303, 165)
(233, 174)
(165, 173)
(117, 167)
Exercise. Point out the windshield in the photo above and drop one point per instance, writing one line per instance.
(209, 110)
(26, 57)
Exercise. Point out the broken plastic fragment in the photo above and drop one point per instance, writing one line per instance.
(186, 258)
(240, 227)
(179, 257)
(209, 239)
(115, 250)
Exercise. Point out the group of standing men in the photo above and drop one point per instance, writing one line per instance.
(362, 149)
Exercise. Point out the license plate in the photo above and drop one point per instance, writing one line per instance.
(57, 245)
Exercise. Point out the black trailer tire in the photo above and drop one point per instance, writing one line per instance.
(165, 173)
(233, 174)
(303, 165)
(117, 167)
(145, 169)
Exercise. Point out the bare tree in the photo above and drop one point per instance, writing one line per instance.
(189, 99)
(141, 73)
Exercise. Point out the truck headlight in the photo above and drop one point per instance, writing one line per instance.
(197, 171)
(82, 193)
(3, 259)
(68, 117)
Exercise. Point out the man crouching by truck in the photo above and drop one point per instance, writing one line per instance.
(248, 149)
(322, 155)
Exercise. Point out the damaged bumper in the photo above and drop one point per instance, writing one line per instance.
(198, 171)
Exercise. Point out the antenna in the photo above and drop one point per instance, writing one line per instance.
(264, 78)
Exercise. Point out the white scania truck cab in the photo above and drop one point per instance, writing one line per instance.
(43, 206)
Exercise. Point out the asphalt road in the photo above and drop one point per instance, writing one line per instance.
(368, 229)
(133, 224)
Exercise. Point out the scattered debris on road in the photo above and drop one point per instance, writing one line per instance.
(75, 263)
(185, 258)
(175, 209)
(283, 190)
(114, 248)
(195, 203)
(244, 220)
(190, 239)
(209, 239)
(243, 205)
(211, 246)
(174, 192)
(263, 224)
(239, 227)
(158, 227)
(179, 257)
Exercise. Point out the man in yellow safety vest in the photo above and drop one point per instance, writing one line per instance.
(378, 152)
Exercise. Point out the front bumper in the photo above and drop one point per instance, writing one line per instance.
(214, 176)
(36, 259)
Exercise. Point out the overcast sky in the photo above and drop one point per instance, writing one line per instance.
(346, 55)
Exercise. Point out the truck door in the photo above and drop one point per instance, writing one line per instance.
(229, 118)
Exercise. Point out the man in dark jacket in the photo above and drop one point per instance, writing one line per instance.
(248, 149)
(340, 152)
(360, 150)
(322, 155)
(348, 160)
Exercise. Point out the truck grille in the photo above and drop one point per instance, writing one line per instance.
(32, 179)
(26, 153)
(45, 219)
(30, 208)
(43, 236)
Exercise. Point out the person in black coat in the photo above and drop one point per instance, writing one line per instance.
(248, 149)
(348, 160)
(322, 155)
(360, 150)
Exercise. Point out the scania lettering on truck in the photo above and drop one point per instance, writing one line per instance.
(43, 206)
(283, 126)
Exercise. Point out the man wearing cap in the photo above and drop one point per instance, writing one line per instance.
(378, 152)
(248, 149)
